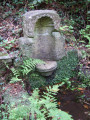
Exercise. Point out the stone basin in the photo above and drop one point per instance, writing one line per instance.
(46, 68)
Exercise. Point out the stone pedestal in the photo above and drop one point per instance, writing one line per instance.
(47, 68)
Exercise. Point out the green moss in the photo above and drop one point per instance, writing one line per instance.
(67, 67)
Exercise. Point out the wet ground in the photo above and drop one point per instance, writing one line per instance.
(76, 102)
(70, 103)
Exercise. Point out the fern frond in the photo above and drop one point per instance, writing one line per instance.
(29, 65)
(15, 72)
(15, 79)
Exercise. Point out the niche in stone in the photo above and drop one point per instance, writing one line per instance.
(44, 42)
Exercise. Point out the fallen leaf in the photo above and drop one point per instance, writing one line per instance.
(81, 89)
(86, 106)
(59, 103)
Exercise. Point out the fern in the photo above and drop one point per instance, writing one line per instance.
(42, 107)
(86, 34)
(29, 65)
(15, 72)
(16, 75)
(15, 79)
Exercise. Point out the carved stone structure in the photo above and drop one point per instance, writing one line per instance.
(41, 37)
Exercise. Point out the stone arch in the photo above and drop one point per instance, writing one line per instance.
(42, 23)
(30, 19)
(50, 17)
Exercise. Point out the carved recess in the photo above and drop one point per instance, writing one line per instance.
(30, 19)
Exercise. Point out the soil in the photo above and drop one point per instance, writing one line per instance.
(68, 102)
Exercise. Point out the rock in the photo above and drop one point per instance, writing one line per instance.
(17, 31)
(25, 45)
(4, 56)
(4, 59)
(79, 54)
(47, 68)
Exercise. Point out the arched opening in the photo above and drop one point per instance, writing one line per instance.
(43, 40)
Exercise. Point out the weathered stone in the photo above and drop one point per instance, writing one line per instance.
(46, 68)
(41, 37)
(59, 50)
(5, 58)
(30, 19)
(26, 46)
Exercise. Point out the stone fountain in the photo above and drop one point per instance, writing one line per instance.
(42, 39)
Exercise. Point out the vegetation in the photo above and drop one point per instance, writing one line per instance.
(36, 80)
(26, 68)
(66, 70)
(40, 108)
(75, 26)
(67, 67)
(84, 79)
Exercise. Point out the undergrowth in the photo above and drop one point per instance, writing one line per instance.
(42, 107)
(84, 79)
(23, 70)
(67, 68)
(36, 80)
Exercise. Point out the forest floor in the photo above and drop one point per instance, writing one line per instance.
(69, 101)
